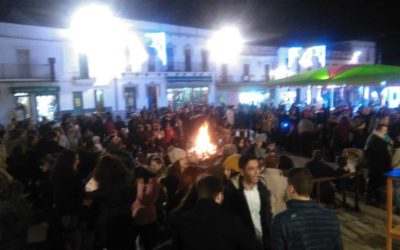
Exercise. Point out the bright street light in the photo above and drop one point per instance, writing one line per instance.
(107, 41)
(226, 45)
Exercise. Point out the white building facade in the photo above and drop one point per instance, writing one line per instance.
(42, 69)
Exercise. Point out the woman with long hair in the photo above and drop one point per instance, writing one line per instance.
(114, 196)
(68, 195)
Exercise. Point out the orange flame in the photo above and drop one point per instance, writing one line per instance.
(203, 147)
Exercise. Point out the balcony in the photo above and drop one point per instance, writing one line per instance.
(26, 72)
(77, 80)
(177, 67)
(239, 80)
(225, 79)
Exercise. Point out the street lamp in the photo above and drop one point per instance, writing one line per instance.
(107, 41)
(225, 45)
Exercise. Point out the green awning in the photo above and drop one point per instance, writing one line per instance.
(312, 77)
(369, 75)
(344, 75)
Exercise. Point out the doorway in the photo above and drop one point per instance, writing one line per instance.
(78, 102)
(99, 100)
(152, 97)
(23, 60)
(130, 100)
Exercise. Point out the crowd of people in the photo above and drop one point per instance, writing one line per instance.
(104, 183)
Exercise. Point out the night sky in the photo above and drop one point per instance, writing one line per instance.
(269, 22)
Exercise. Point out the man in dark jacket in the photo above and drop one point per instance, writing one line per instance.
(246, 196)
(379, 161)
(304, 225)
(207, 226)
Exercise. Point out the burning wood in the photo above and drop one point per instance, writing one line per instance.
(203, 147)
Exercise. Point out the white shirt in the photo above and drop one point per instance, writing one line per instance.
(253, 201)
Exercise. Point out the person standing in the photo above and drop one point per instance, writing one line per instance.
(379, 161)
(246, 196)
(276, 183)
(304, 225)
(230, 116)
(68, 196)
(113, 196)
(208, 226)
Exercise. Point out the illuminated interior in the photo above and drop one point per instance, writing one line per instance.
(255, 98)
(390, 95)
(46, 105)
(177, 97)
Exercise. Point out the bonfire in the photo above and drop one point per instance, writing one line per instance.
(203, 147)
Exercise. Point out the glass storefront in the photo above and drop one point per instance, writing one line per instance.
(46, 106)
(178, 97)
(38, 102)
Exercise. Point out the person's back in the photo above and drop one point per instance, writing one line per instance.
(14, 214)
(208, 226)
(304, 225)
(307, 226)
(276, 182)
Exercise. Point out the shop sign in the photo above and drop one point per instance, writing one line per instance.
(15, 90)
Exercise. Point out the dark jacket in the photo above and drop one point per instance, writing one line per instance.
(377, 153)
(113, 227)
(207, 226)
(304, 225)
(235, 202)
(14, 218)
(68, 194)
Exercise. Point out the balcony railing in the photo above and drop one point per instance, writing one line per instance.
(25, 71)
(225, 79)
(178, 67)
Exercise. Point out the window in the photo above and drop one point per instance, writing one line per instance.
(246, 69)
(188, 59)
(224, 73)
(151, 64)
(267, 69)
(23, 59)
(170, 58)
(83, 66)
(204, 60)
